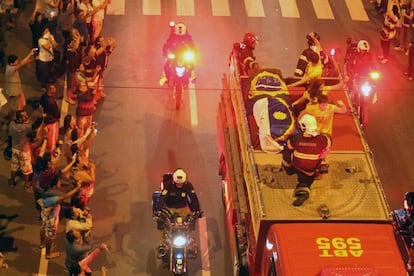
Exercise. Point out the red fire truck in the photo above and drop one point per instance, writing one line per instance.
(344, 228)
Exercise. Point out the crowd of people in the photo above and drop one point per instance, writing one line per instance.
(54, 161)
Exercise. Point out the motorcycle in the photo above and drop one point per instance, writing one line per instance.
(362, 88)
(403, 223)
(180, 67)
(178, 245)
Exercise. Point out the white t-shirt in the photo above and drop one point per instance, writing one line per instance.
(100, 14)
(86, 8)
(45, 55)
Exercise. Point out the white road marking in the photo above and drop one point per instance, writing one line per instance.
(220, 8)
(254, 8)
(204, 251)
(356, 10)
(185, 7)
(193, 104)
(43, 263)
(116, 7)
(289, 8)
(322, 9)
(64, 108)
(151, 7)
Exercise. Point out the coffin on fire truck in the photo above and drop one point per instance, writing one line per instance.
(345, 227)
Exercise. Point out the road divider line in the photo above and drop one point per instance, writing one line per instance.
(64, 107)
(43, 263)
(193, 104)
(204, 251)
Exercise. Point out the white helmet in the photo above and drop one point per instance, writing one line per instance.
(180, 29)
(179, 176)
(308, 125)
(363, 46)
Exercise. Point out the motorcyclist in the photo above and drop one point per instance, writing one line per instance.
(359, 64)
(313, 39)
(244, 52)
(359, 61)
(179, 197)
(178, 40)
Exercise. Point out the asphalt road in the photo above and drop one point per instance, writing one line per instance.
(141, 136)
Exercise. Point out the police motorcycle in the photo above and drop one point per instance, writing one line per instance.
(178, 246)
(179, 68)
(361, 87)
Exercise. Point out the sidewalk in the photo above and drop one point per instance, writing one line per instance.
(25, 228)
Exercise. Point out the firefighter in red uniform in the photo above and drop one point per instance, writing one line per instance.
(244, 53)
(303, 155)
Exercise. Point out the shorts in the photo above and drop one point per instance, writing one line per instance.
(49, 226)
(21, 161)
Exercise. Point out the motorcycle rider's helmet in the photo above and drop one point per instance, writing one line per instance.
(179, 176)
(180, 29)
(363, 46)
(308, 125)
(250, 39)
(310, 40)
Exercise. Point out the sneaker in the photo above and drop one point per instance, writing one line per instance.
(405, 73)
(380, 57)
(384, 61)
(407, 52)
(410, 78)
(398, 48)
(163, 80)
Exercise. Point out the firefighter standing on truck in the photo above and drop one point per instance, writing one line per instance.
(244, 53)
(303, 155)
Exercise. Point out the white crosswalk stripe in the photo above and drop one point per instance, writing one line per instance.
(185, 8)
(323, 9)
(151, 7)
(356, 10)
(220, 8)
(289, 8)
(254, 8)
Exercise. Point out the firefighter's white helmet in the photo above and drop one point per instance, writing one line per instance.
(308, 125)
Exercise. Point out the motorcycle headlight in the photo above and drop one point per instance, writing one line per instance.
(189, 56)
(366, 89)
(171, 56)
(179, 241)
